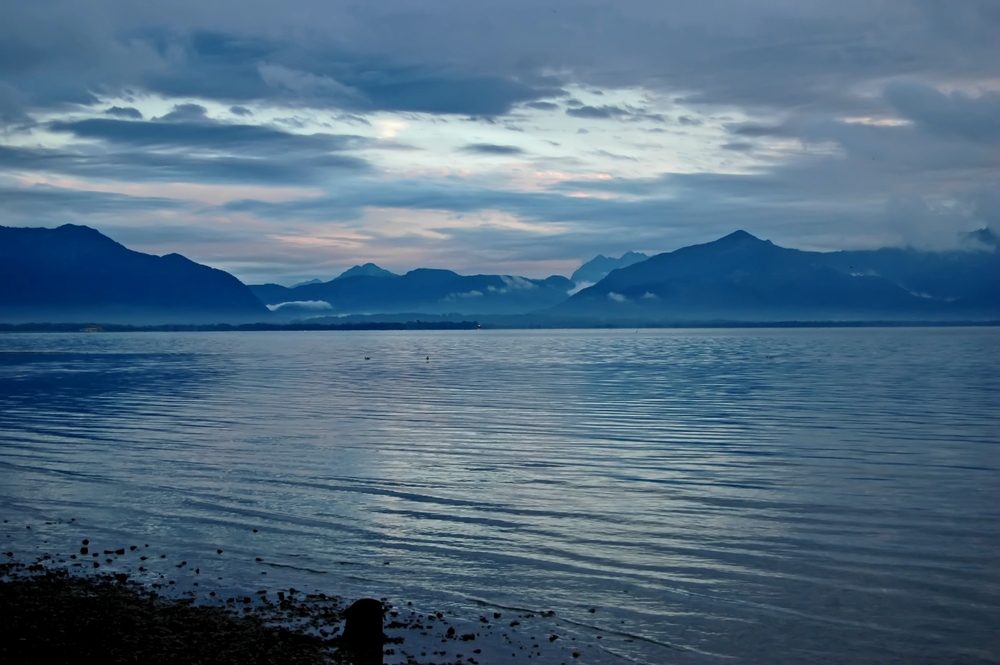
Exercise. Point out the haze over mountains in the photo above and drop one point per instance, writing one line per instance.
(76, 274)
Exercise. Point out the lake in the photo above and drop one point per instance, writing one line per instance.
(689, 496)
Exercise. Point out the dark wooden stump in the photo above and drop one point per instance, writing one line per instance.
(363, 631)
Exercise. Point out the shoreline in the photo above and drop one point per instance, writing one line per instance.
(57, 617)
(409, 326)
(130, 604)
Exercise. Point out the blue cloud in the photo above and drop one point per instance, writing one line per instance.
(492, 149)
(956, 114)
(124, 112)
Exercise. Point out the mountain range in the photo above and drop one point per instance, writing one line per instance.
(75, 274)
(371, 290)
(740, 277)
(598, 267)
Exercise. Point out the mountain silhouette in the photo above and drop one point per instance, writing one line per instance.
(74, 273)
(423, 290)
(598, 267)
(740, 277)
(367, 270)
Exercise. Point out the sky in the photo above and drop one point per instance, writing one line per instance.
(288, 141)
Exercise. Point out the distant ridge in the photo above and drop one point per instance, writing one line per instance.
(367, 270)
(984, 237)
(741, 277)
(424, 290)
(598, 267)
(74, 273)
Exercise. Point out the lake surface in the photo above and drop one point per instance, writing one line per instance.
(718, 496)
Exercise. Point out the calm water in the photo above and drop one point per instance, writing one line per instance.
(715, 496)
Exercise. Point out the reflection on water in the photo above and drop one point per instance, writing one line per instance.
(774, 496)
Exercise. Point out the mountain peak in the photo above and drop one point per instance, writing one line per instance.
(366, 270)
(983, 238)
(739, 236)
(598, 267)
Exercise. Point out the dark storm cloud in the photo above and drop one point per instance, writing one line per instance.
(492, 149)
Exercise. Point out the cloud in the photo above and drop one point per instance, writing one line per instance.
(975, 118)
(204, 134)
(124, 112)
(616, 297)
(514, 283)
(221, 66)
(186, 113)
(45, 202)
(492, 149)
(464, 295)
(170, 165)
(598, 112)
(309, 305)
(240, 111)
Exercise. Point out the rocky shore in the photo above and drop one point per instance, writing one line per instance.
(106, 605)
(55, 617)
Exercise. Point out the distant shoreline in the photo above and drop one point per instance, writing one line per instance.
(227, 327)
(472, 325)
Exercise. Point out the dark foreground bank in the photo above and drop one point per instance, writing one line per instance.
(59, 611)
(56, 617)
